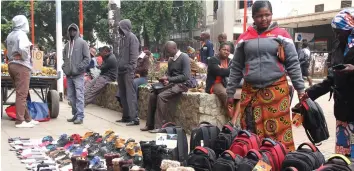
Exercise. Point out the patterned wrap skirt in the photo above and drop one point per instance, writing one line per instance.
(266, 112)
(345, 138)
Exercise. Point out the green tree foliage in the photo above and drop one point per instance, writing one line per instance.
(156, 19)
(95, 14)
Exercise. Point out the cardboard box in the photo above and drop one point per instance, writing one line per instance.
(37, 59)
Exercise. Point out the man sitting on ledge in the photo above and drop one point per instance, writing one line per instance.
(108, 74)
(178, 73)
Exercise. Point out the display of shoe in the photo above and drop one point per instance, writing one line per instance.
(87, 134)
(75, 138)
(74, 162)
(82, 164)
(107, 134)
(119, 143)
(47, 138)
(109, 160)
(63, 140)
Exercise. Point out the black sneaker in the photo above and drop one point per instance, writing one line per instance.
(72, 119)
(133, 123)
(63, 140)
(123, 120)
(78, 121)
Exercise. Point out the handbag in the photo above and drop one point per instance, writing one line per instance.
(157, 86)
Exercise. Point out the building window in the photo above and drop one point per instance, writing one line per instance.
(241, 3)
(345, 4)
(319, 8)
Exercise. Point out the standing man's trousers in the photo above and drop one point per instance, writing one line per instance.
(94, 87)
(128, 96)
(20, 76)
(76, 90)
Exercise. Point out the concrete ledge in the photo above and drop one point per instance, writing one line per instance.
(191, 109)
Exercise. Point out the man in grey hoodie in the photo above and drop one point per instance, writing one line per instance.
(76, 58)
(20, 66)
(127, 61)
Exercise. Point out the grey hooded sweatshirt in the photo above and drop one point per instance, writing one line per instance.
(128, 49)
(17, 42)
(76, 54)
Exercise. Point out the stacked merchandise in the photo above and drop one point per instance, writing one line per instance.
(91, 152)
(240, 150)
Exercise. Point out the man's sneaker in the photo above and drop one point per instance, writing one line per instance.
(24, 125)
(33, 122)
(72, 119)
(78, 121)
(133, 123)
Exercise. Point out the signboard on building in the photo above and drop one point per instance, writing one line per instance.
(304, 36)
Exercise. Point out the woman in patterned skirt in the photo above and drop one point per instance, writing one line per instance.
(265, 100)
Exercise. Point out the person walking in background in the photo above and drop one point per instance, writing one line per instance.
(127, 62)
(305, 60)
(223, 39)
(20, 66)
(108, 74)
(265, 84)
(207, 49)
(76, 58)
(340, 82)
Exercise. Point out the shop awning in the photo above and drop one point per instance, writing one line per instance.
(307, 20)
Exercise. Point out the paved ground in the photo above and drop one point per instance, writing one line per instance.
(99, 119)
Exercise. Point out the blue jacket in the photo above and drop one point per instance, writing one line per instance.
(206, 51)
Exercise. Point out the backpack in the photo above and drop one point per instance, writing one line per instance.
(201, 159)
(181, 151)
(228, 161)
(205, 132)
(224, 139)
(314, 123)
(244, 142)
(159, 153)
(303, 158)
(251, 159)
(275, 151)
(336, 163)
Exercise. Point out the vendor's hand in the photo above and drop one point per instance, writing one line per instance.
(349, 68)
(165, 82)
(230, 102)
(302, 96)
(137, 75)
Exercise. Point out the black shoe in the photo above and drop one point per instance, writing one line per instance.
(72, 119)
(123, 121)
(78, 121)
(133, 123)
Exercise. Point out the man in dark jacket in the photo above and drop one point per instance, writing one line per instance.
(218, 73)
(108, 74)
(178, 73)
(76, 58)
(207, 49)
(127, 61)
(223, 39)
(305, 60)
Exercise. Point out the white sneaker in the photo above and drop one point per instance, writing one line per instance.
(24, 125)
(33, 122)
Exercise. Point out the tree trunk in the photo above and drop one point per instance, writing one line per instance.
(113, 19)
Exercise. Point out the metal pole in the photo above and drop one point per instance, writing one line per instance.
(32, 20)
(244, 15)
(81, 18)
(59, 51)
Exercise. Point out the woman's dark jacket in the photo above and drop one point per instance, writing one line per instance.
(214, 70)
(340, 84)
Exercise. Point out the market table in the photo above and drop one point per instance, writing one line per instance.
(41, 85)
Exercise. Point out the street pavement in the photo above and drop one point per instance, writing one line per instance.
(99, 119)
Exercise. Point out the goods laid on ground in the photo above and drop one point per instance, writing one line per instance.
(109, 152)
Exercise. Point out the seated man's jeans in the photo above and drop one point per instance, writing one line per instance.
(95, 87)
